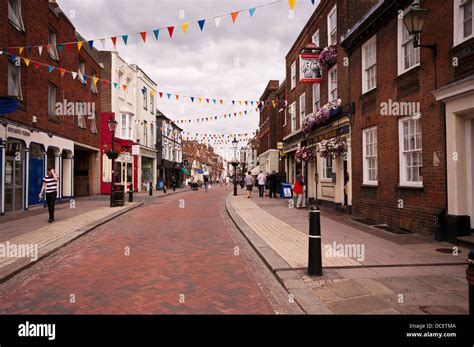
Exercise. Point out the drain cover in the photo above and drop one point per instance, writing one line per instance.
(446, 250)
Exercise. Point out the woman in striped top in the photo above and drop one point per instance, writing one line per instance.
(50, 186)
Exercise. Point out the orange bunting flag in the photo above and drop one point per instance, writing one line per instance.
(27, 61)
(292, 3)
(234, 16)
(62, 72)
(273, 103)
(177, 96)
(124, 87)
(143, 35)
(184, 26)
(79, 45)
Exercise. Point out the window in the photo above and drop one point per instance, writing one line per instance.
(302, 108)
(284, 116)
(408, 56)
(316, 97)
(93, 123)
(14, 14)
(332, 83)
(411, 160)
(293, 116)
(152, 102)
(93, 85)
(332, 26)
(120, 85)
(53, 51)
(128, 91)
(369, 138)
(14, 80)
(82, 71)
(152, 134)
(293, 75)
(463, 21)
(126, 126)
(145, 133)
(52, 100)
(81, 115)
(315, 38)
(145, 98)
(327, 168)
(369, 67)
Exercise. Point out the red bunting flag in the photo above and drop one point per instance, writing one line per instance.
(143, 35)
(114, 40)
(170, 31)
(161, 94)
(234, 16)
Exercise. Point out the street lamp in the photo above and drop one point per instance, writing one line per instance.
(112, 124)
(413, 21)
(235, 163)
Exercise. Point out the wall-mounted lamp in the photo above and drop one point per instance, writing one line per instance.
(414, 21)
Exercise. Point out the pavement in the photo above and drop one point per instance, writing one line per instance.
(179, 254)
(365, 269)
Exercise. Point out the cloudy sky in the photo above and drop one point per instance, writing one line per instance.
(231, 62)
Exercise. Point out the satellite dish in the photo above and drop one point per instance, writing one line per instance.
(8, 105)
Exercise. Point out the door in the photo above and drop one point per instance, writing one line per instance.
(13, 184)
(470, 172)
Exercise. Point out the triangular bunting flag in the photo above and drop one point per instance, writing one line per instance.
(161, 94)
(221, 101)
(199, 99)
(94, 80)
(156, 32)
(217, 21)
(251, 11)
(21, 50)
(27, 61)
(234, 16)
(124, 87)
(201, 23)
(177, 97)
(292, 3)
(125, 38)
(79, 45)
(184, 26)
(50, 68)
(74, 75)
(168, 95)
(91, 44)
(62, 72)
(114, 40)
(170, 31)
(207, 100)
(115, 85)
(69, 47)
(143, 35)
(233, 102)
(60, 48)
(105, 83)
(192, 98)
(29, 49)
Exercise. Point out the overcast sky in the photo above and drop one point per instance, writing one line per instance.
(231, 62)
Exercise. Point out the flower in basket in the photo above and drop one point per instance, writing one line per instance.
(304, 154)
(310, 122)
(328, 57)
(334, 147)
(324, 113)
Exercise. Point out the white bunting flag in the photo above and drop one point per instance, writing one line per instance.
(217, 21)
(74, 75)
(40, 49)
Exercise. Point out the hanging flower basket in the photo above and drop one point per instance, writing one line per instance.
(328, 57)
(333, 148)
(321, 116)
(112, 154)
(305, 154)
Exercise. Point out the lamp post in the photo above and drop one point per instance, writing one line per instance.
(112, 124)
(235, 163)
(413, 21)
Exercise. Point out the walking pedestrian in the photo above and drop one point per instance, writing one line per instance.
(227, 181)
(261, 183)
(206, 182)
(50, 187)
(249, 183)
(299, 190)
(272, 184)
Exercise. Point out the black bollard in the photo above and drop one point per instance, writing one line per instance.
(470, 280)
(130, 193)
(150, 190)
(315, 262)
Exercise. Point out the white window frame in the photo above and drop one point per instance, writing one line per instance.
(458, 20)
(145, 133)
(316, 97)
(369, 138)
(325, 168)
(332, 27)
(293, 116)
(331, 89)
(52, 40)
(14, 80)
(369, 64)
(404, 153)
(52, 92)
(126, 128)
(81, 120)
(145, 99)
(315, 38)
(302, 103)
(284, 117)
(93, 123)
(152, 103)
(82, 71)
(402, 43)
(14, 14)
(293, 75)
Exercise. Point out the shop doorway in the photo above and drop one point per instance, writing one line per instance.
(14, 176)
(124, 174)
(35, 173)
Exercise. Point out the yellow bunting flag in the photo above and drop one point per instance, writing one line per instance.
(21, 50)
(199, 99)
(27, 61)
(292, 3)
(184, 26)
(79, 45)
(95, 79)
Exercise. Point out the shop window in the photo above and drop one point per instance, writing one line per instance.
(145, 98)
(327, 168)
(315, 38)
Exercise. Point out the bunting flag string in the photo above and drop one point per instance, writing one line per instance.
(141, 34)
(214, 118)
(176, 97)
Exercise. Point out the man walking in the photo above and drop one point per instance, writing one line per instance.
(261, 183)
(272, 183)
(206, 182)
(50, 186)
(249, 184)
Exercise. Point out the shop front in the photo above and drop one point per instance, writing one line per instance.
(25, 155)
(292, 166)
(147, 171)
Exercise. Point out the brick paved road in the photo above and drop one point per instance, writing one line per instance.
(181, 261)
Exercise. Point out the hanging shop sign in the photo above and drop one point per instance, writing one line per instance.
(310, 69)
(135, 149)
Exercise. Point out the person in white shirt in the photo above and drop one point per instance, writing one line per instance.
(249, 183)
(227, 181)
(261, 179)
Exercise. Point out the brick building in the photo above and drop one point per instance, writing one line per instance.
(327, 178)
(200, 156)
(40, 134)
(409, 105)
